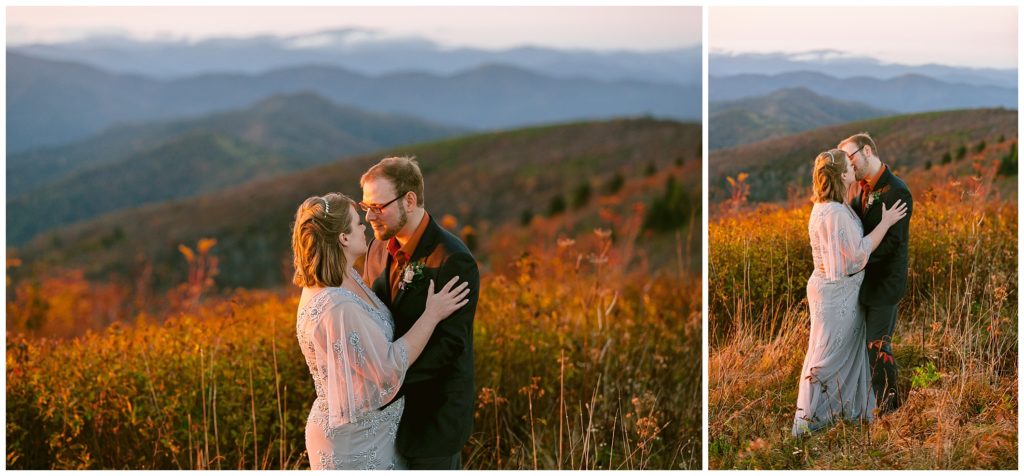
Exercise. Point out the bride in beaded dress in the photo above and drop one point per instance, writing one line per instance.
(345, 333)
(835, 381)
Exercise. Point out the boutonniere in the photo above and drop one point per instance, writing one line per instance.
(413, 272)
(876, 195)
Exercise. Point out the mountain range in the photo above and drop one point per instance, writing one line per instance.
(906, 93)
(839, 64)
(54, 102)
(755, 96)
(128, 166)
(364, 51)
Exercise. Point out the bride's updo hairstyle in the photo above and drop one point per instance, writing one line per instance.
(829, 167)
(318, 257)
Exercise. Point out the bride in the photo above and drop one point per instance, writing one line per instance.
(345, 333)
(836, 379)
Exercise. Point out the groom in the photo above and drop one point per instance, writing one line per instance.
(408, 251)
(885, 276)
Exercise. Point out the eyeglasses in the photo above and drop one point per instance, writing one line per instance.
(377, 209)
(858, 150)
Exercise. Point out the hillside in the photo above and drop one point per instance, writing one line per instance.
(486, 181)
(305, 127)
(185, 166)
(780, 168)
(52, 103)
(780, 113)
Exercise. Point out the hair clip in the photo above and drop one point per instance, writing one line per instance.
(327, 207)
(832, 157)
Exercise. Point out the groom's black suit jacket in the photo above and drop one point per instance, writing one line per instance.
(885, 276)
(438, 388)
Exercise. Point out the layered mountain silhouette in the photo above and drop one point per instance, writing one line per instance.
(129, 166)
(53, 102)
(364, 51)
(780, 113)
(906, 93)
(840, 64)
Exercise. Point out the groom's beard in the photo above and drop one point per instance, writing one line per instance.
(859, 174)
(390, 232)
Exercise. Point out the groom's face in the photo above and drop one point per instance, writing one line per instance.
(858, 160)
(392, 217)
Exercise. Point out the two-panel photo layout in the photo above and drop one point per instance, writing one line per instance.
(511, 238)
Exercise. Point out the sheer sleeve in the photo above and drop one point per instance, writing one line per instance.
(846, 250)
(364, 370)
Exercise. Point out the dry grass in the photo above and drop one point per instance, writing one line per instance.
(580, 364)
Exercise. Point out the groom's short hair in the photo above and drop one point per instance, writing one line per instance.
(861, 139)
(403, 173)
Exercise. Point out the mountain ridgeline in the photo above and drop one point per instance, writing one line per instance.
(51, 103)
(362, 51)
(905, 93)
(840, 64)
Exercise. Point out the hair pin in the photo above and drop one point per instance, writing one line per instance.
(327, 207)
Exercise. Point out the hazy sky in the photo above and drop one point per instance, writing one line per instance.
(959, 36)
(603, 28)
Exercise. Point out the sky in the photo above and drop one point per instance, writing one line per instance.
(956, 36)
(596, 28)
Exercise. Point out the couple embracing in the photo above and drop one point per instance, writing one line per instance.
(390, 349)
(859, 231)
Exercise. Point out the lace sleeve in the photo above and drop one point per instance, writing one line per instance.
(364, 370)
(846, 251)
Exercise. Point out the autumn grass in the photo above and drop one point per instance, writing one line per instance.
(955, 341)
(583, 367)
(580, 364)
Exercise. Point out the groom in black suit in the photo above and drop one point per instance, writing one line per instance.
(408, 251)
(885, 276)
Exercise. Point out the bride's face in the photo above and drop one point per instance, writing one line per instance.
(355, 242)
(848, 176)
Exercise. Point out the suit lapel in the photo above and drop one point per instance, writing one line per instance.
(873, 214)
(879, 186)
(426, 245)
(883, 180)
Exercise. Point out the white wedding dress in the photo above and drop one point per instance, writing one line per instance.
(836, 378)
(356, 370)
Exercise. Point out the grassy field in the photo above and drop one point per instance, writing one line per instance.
(955, 340)
(580, 364)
